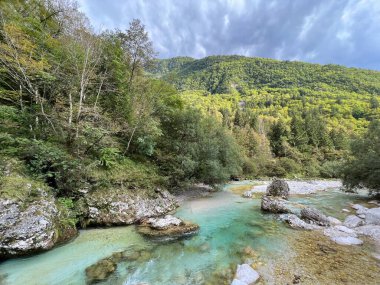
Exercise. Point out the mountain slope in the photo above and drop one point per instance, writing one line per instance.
(223, 74)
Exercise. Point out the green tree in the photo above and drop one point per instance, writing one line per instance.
(363, 167)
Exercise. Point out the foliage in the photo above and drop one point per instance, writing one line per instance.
(362, 169)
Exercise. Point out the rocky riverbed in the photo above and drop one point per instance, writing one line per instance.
(232, 231)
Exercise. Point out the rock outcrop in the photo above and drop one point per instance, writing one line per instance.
(33, 226)
(123, 207)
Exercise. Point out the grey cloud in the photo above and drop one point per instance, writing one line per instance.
(321, 31)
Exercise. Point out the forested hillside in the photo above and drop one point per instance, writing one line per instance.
(83, 110)
(291, 118)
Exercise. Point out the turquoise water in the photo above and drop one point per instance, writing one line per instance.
(228, 225)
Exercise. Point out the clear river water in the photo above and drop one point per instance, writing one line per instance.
(232, 230)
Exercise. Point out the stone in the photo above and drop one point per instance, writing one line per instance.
(347, 240)
(164, 223)
(274, 205)
(353, 221)
(359, 209)
(247, 194)
(314, 216)
(31, 226)
(246, 274)
(238, 282)
(294, 222)
(100, 271)
(172, 228)
(278, 188)
(342, 235)
(346, 210)
(334, 221)
(124, 207)
(372, 216)
(373, 231)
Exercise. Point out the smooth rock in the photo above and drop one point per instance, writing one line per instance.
(334, 221)
(347, 240)
(247, 194)
(359, 209)
(353, 221)
(372, 216)
(373, 231)
(315, 216)
(238, 282)
(342, 235)
(297, 223)
(346, 210)
(278, 188)
(246, 274)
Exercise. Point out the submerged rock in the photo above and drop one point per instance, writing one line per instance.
(278, 188)
(245, 274)
(314, 216)
(100, 271)
(274, 205)
(353, 221)
(124, 207)
(297, 223)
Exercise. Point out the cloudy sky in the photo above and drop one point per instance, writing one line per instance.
(344, 32)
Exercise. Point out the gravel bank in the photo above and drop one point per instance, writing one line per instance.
(300, 187)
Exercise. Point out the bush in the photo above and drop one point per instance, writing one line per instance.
(331, 169)
(59, 170)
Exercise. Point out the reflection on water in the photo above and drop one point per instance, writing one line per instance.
(233, 230)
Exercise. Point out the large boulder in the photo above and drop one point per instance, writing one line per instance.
(124, 207)
(353, 221)
(315, 216)
(372, 216)
(274, 205)
(167, 227)
(278, 188)
(31, 227)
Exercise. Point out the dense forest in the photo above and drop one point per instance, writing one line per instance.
(83, 110)
(289, 118)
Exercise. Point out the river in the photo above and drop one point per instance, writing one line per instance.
(232, 230)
